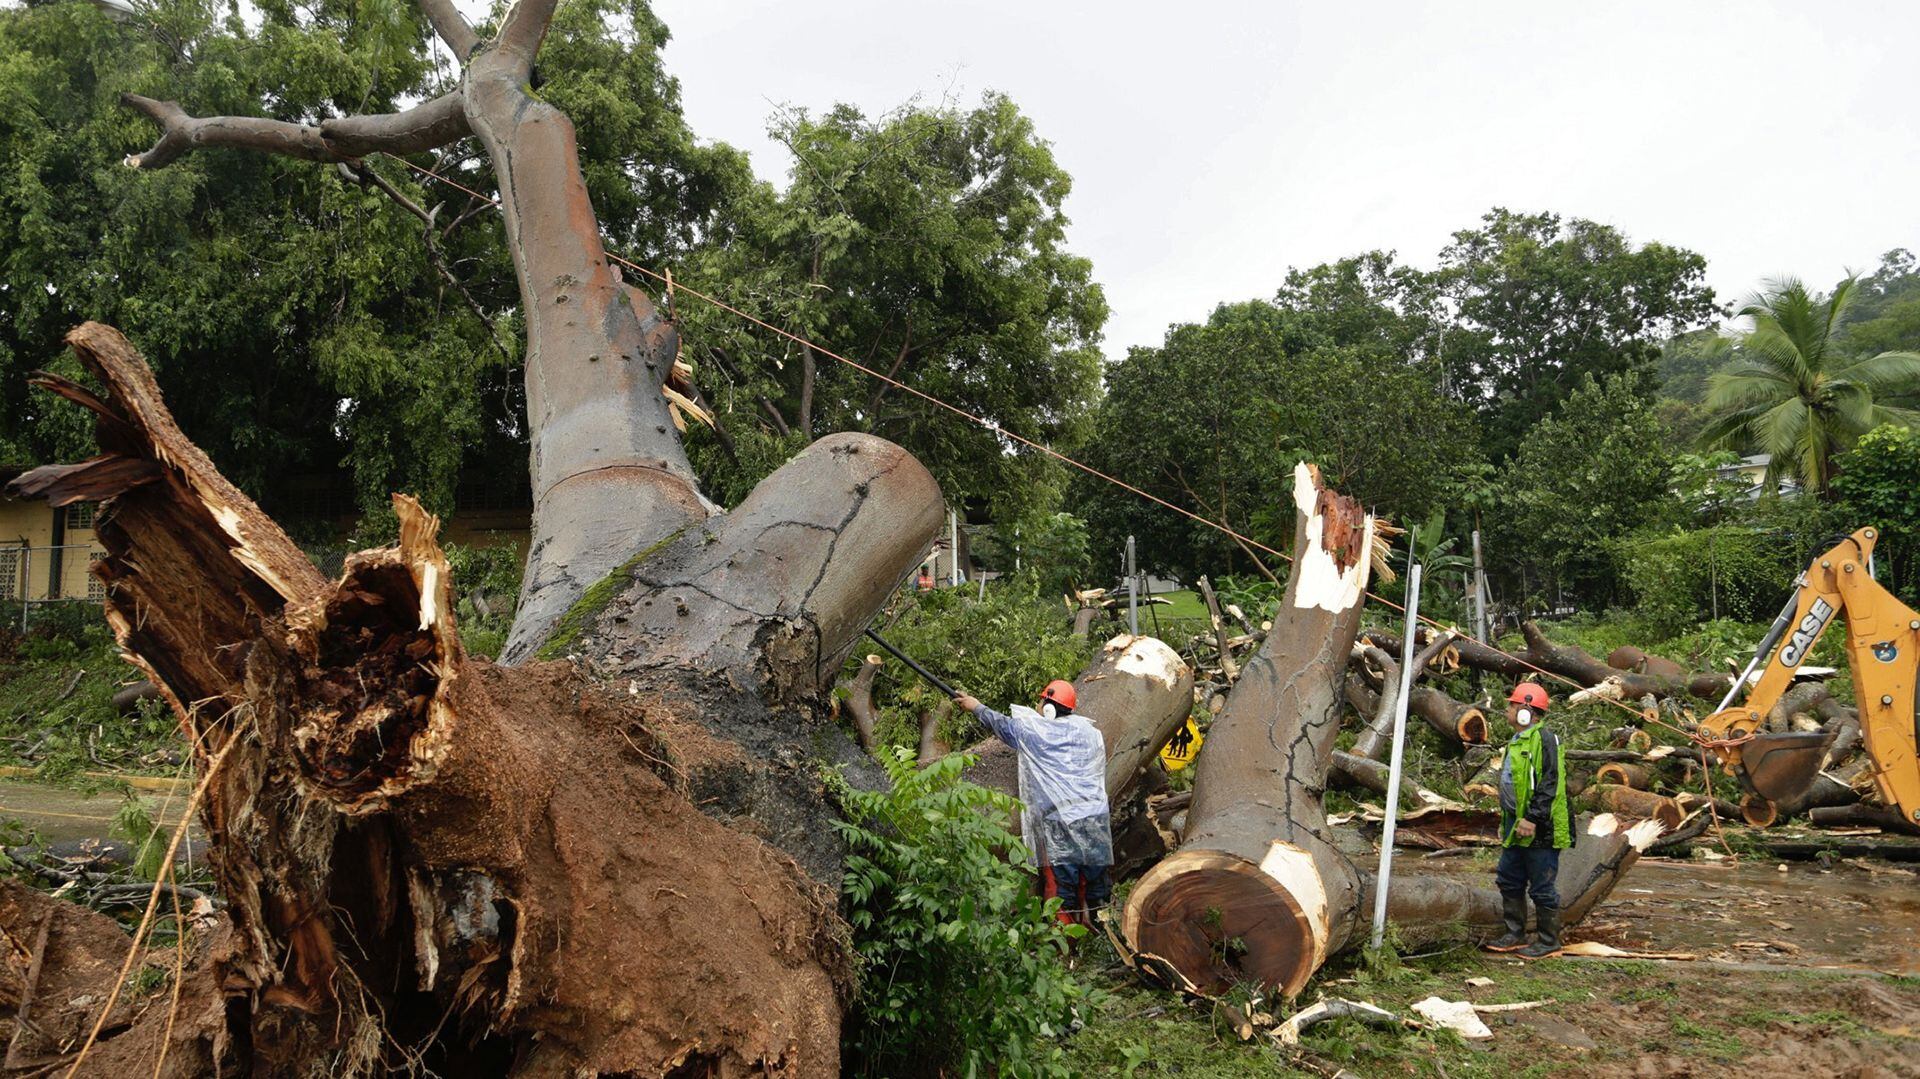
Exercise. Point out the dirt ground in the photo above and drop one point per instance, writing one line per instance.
(1814, 971)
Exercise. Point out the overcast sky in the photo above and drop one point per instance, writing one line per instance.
(1213, 145)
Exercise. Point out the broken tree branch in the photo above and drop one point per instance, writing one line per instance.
(426, 126)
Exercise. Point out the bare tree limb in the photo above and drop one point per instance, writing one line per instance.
(423, 127)
(524, 28)
(452, 27)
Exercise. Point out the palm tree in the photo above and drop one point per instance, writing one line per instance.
(1792, 391)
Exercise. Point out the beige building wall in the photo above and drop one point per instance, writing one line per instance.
(28, 566)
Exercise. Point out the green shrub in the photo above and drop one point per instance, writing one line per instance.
(494, 570)
(1680, 578)
(1879, 485)
(1002, 649)
(962, 966)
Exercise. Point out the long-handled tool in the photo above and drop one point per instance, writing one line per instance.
(915, 667)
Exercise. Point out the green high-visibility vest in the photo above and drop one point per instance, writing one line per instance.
(1523, 758)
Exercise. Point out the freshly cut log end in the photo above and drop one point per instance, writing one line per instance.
(1222, 920)
(1472, 727)
(1624, 775)
(1759, 812)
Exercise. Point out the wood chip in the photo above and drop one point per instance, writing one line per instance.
(1593, 949)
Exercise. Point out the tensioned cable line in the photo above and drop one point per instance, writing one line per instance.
(679, 286)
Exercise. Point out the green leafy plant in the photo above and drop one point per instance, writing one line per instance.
(962, 965)
(135, 825)
(1002, 649)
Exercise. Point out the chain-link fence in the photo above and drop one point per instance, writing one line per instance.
(34, 577)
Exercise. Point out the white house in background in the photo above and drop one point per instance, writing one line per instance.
(1752, 470)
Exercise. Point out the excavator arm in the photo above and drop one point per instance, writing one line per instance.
(1883, 648)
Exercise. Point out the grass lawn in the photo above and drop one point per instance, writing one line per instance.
(1185, 603)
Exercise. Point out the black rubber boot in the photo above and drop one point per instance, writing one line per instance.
(1513, 910)
(1548, 940)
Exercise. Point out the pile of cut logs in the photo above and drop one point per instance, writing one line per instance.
(1635, 777)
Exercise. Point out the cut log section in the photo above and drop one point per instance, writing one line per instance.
(1637, 776)
(1458, 724)
(1637, 804)
(1261, 891)
(860, 700)
(1258, 892)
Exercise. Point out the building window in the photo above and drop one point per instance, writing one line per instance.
(9, 573)
(96, 588)
(80, 515)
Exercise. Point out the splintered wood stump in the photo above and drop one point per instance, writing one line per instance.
(495, 870)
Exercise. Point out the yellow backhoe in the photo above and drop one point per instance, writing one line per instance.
(1883, 647)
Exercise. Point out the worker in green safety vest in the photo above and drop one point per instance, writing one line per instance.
(1535, 825)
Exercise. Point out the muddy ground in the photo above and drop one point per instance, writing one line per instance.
(1814, 971)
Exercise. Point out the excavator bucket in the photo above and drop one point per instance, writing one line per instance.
(1780, 767)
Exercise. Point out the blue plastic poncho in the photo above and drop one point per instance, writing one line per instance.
(1063, 785)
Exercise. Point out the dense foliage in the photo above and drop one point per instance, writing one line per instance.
(1795, 393)
(297, 319)
(1879, 485)
(962, 964)
(1002, 649)
(927, 244)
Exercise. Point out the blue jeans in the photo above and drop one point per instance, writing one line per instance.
(1070, 879)
(1534, 870)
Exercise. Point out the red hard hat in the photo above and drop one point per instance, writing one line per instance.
(1531, 694)
(1060, 693)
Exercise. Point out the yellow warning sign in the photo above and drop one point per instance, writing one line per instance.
(1181, 748)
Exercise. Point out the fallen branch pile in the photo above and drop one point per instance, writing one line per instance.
(1637, 778)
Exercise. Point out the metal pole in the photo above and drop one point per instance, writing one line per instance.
(1133, 592)
(1479, 591)
(1399, 747)
(953, 547)
(26, 585)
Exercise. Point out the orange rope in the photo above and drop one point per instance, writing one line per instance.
(681, 286)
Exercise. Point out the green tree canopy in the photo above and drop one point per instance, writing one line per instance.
(296, 315)
(1596, 469)
(1878, 483)
(929, 244)
(1793, 390)
(1336, 370)
(1543, 302)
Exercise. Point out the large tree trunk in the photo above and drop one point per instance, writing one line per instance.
(1262, 889)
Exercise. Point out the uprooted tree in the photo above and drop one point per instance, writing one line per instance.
(621, 864)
